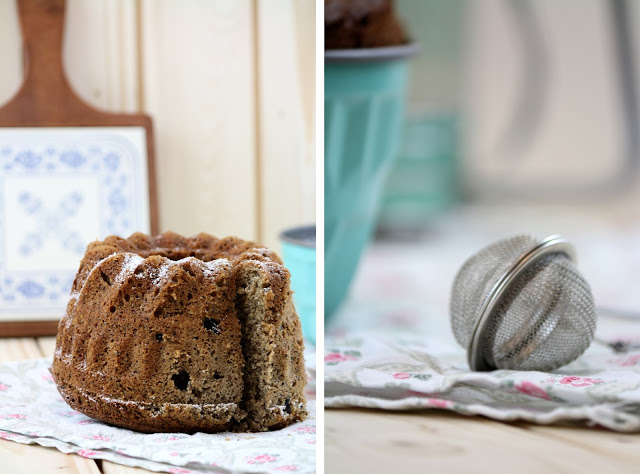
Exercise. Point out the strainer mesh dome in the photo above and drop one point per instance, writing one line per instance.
(545, 319)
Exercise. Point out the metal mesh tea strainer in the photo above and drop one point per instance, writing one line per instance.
(521, 304)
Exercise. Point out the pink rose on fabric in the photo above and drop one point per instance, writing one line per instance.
(531, 389)
(287, 468)
(630, 361)
(86, 422)
(3, 387)
(574, 381)
(174, 454)
(17, 416)
(312, 441)
(437, 402)
(337, 357)
(87, 453)
(306, 429)
(401, 375)
(178, 470)
(261, 459)
(4, 435)
(100, 438)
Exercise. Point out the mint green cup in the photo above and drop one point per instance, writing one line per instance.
(424, 180)
(364, 98)
(299, 255)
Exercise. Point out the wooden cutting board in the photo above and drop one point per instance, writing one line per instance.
(51, 142)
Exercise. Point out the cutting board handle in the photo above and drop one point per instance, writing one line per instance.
(45, 96)
(42, 25)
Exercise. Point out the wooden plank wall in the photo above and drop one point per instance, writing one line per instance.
(229, 85)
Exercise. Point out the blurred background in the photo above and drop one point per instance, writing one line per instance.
(229, 85)
(522, 117)
(532, 102)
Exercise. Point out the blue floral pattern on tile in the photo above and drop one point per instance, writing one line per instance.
(31, 289)
(51, 223)
(72, 158)
(28, 159)
(118, 172)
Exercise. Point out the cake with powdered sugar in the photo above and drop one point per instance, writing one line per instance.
(168, 333)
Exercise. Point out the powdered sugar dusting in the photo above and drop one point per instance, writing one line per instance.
(129, 265)
(209, 269)
(285, 412)
(213, 267)
(66, 318)
(161, 276)
(209, 407)
(132, 261)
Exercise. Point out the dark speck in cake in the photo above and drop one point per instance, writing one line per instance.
(106, 278)
(211, 325)
(181, 380)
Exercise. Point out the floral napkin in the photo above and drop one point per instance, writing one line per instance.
(32, 411)
(391, 345)
(403, 373)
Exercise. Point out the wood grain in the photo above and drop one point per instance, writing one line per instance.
(198, 69)
(286, 152)
(27, 328)
(100, 53)
(113, 468)
(29, 459)
(432, 441)
(18, 349)
(47, 346)
(621, 446)
(10, 53)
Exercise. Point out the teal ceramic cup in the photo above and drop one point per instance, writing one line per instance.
(424, 180)
(364, 101)
(299, 255)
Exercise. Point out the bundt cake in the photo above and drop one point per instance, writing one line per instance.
(350, 24)
(167, 333)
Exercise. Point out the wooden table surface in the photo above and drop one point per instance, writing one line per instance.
(16, 458)
(372, 441)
